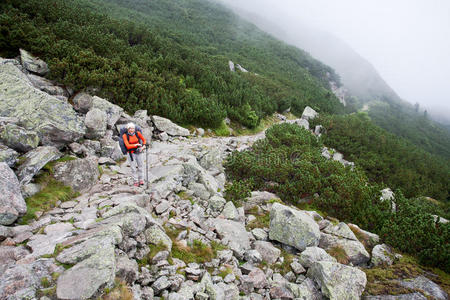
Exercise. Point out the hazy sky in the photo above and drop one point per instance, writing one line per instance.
(407, 41)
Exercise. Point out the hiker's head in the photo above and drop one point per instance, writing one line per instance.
(131, 128)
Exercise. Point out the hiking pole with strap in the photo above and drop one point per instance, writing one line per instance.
(146, 166)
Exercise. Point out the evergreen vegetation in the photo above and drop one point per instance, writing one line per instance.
(289, 162)
(152, 55)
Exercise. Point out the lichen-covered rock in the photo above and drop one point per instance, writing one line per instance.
(8, 155)
(215, 205)
(338, 281)
(269, 253)
(411, 296)
(155, 235)
(54, 120)
(312, 254)
(30, 189)
(428, 287)
(354, 250)
(95, 121)
(26, 278)
(18, 138)
(168, 126)
(212, 159)
(80, 174)
(302, 123)
(293, 227)
(82, 102)
(307, 290)
(234, 235)
(33, 64)
(382, 255)
(84, 280)
(112, 111)
(230, 212)
(340, 230)
(259, 198)
(12, 204)
(33, 162)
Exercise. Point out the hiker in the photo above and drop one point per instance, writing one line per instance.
(135, 143)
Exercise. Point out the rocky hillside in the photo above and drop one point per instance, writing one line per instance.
(177, 238)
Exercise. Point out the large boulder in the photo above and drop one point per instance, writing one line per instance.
(168, 126)
(8, 155)
(293, 227)
(234, 235)
(96, 122)
(54, 120)
(338, 281)
(309, 113)
(112, 111)
(19, 138)
(382, 255)
(33, 64)
(80, 174)
(12, 204)
(48, 86)
(34, 160)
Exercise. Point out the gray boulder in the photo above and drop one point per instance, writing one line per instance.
(8, 155)
(258, 198)
(80, 174)
(19, 138)
(269, 253)
(155, 235)
(234, 235)
(54, 120)
(307, 290)
(33, 162)
(47, 86)
(96, 122)
(382, 255)
(309, 113)
(302, 123)
(83, 280)
(368, 238)
(215, 205)
(33, 64)
(340, 230)
(82, 102)
(293, 227)
(354, 250)
(163, 124)
(313, 254)
(112, 111)
(412, 296)
(428, 287)
(12, 204)
(338, 281)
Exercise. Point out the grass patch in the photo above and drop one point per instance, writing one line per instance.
(185, 196)
(47, 292)
(362, 237)
(222, 130)
(216, 247)
(154, 249)
(120, 291)
(285, 267)
(45, 282)
(225, 272)
(265, 123)
(198, 253)
(52, 191)
(383, 280)
(261, 221)
(339, 253)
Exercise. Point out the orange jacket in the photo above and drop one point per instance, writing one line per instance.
(132, 144)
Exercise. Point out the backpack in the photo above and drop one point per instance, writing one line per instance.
(123, 131)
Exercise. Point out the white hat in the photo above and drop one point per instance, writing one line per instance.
(130, 125)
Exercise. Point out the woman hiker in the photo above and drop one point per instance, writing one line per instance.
(135, 143)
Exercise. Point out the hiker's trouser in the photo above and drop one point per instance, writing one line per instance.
(136, 163)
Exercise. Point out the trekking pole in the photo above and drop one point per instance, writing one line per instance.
(146, 166)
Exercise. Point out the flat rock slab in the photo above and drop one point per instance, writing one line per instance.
(427, 286)
(34, 161)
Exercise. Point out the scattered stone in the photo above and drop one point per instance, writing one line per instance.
(309, 113)
(427, 286)
(260, 234)
(314, 254)
(269, 253)
(382, 255)
(297, 268)
(234, 235)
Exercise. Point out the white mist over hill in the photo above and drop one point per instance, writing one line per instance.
(407, 42)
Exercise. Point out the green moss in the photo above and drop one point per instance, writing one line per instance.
(45, 282)
(339, 253)
(261, 221)
(225, 272)
(199, 252)
(285, 267)
(154, 249)
(215, 246)
(52, 191)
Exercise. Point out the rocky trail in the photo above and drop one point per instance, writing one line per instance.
(178, 238)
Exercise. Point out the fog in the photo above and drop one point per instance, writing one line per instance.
(406, 41)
